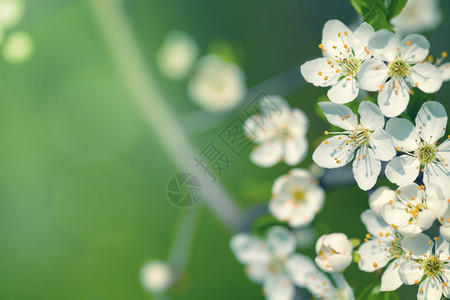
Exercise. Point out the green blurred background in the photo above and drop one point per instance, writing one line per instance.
(83, 178)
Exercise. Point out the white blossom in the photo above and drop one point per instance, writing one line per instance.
(156, 276)
(415, 209)
(430, 270)
(18, 47)
(366, 141)
(217, 85)
(321, 287)
(417, 16)
(273, 262)
(343, 52)
(398, 66)
(334, 252)
(177, 54)
(280, 132)
(296, 198)
(381, 248)
(420, 150)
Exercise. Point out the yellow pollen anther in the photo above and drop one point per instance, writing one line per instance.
(444, 54)
(320, 73)
(390, 202)
(326, 132)
(321, 46)
(408, 43)
(345, 33)
(325, 142)
(338, 71)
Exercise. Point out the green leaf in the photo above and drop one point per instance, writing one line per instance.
(364, 6)
(395, 7)
(377, 18)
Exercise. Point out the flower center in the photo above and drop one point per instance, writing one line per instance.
(432, 266)
(396, 250)
(399, 69)
(426, 153)
(283, 133)
(349, 65)
(299, 195)
(359, 136)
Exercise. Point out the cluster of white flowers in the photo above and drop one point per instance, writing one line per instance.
(415, 157)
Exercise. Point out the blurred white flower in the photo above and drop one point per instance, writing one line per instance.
(398, 66)
(334, 252)
(280, 132)
(296, 198)
(421, 153)
(321, 287)
(380, 197)
(430, 269)
(415, 209)
(217, 85)
(366, 141)
(177, 54)
(444, 229)
(273, 262)
(11, 12)
(444, 69)
(156, 276)
(417, 16)
(382, 246)
(18, 47)
(343, 52)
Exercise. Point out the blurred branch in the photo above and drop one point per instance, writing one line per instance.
(153, 106)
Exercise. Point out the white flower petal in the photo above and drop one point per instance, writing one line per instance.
(280, 241)
(393, 98)
(432, 289)
(372, 254)
(384, 45)
(298, 267)
(444, 230)
(329, 155)
(338, 262)
(438, 173)
(431, 121)
(426, 77)
(372, 75)
(254, 128)
(249, 249)
(409, 272)
(375, 224)
(390, 281)
(333, 34)
(278, 288)
(379, 197)
(425, 219)
(402, 169)
(414, 48)
(360, 39)
(395, 214)
(370, 115)
(404, 134)
(295, 150)
(267, 154)
(419, 245)
(382, 145)
(436, 201)
(339, 115)
(345, 90)
(366, 169)
(444, 69)
(319, 72)
(257, 272)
